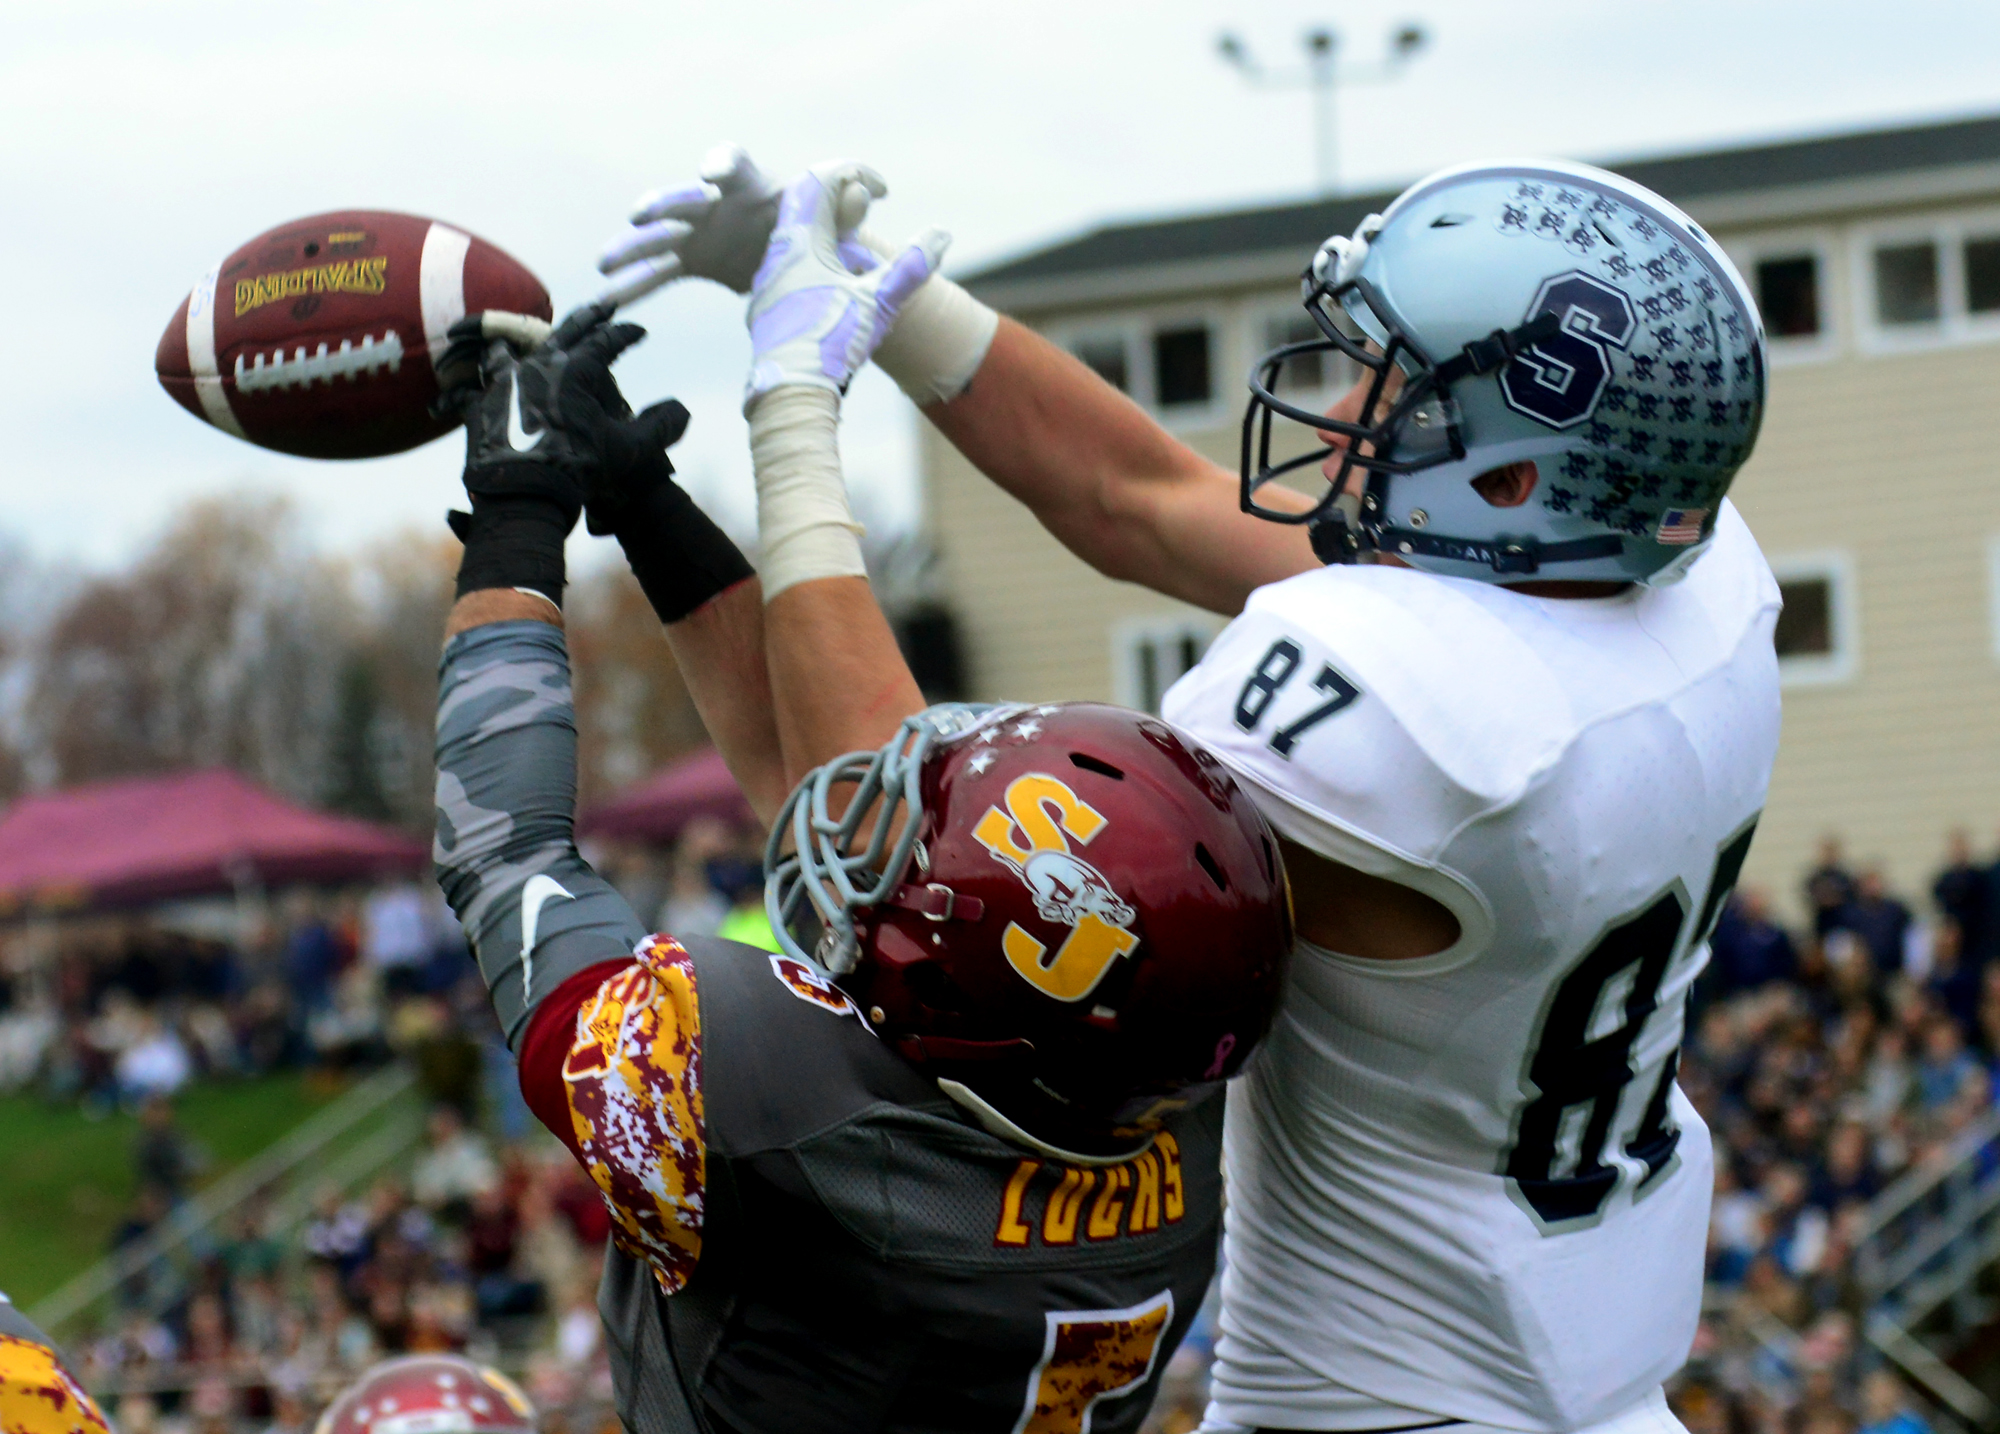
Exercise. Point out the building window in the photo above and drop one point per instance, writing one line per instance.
(1982, 275)
(1816, 637)
(1788, 295)
(1105, 353)
(1805, 627)
(1180, 366)
(1150, 655)
(1906, 284)
(929, 637)
(1306, 373)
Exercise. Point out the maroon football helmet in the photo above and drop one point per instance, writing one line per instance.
(1070, 915)
(429, 1394)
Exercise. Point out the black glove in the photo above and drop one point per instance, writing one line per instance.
(544, 430)
(571, 406)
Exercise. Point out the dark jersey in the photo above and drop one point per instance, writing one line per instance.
(807, 1235)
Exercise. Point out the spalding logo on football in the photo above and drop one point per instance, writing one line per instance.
(318, 337)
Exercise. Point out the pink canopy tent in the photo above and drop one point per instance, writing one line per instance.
(657, 808)
(127, 843)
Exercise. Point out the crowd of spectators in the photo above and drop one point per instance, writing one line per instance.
(1828, 1061)
(488, 1242)
(112, 1010)
(487, 1249)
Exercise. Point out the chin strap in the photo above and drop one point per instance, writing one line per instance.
(1485, 355)
(997, 1124)
(1524, 557)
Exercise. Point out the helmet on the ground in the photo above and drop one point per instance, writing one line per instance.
(1069, 915)
(1537, 311)
(429, 1394)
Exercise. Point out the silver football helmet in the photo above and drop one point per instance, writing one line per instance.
(1537, 310)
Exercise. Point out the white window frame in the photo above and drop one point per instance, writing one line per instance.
(1824, 247)
(1843, 663)
(1956, 324)
(1161, 632)
(1993, 590)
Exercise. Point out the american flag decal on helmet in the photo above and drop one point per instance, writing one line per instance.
(1681, 526)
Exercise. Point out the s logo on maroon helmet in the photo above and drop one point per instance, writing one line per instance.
(1032, 837)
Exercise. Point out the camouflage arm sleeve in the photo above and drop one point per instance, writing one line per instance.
(534, 910)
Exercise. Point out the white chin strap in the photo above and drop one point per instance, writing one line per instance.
(998, 1124)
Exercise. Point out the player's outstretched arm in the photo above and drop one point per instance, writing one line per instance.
(1093, 466)
(1114, 487)
(701, 587)
(838, 681)
(599, 1015)
(533, 909)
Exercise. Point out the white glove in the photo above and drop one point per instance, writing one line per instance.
(814, 318)
(718, 227)
(714, 227)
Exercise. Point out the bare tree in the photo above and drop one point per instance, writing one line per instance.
(231, 642)
(212, 651)
(381, 762)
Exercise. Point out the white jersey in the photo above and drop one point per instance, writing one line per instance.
(1467, 1186)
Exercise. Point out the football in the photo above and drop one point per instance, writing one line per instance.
(318, 337)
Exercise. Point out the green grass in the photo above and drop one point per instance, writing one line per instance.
(66, 1180)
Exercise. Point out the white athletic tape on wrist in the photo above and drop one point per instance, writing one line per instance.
(938, 341)
(538, 593)
(804, 524)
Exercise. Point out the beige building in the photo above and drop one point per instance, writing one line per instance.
(1876, 259)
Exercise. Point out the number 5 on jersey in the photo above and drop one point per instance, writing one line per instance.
(1269, 677)
(1091, 1355)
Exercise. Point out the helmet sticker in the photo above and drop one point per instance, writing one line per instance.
(1681, 526)
(810, 986)
(1032, 838)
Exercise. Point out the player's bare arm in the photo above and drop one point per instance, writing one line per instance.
(817, 308)
(1108, 481)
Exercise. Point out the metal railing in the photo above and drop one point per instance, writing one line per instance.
(1928, 1241)
(330, 1148)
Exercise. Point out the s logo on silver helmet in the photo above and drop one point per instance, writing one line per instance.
(1559, 380)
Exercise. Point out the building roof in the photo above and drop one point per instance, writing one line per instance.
(1164, 246)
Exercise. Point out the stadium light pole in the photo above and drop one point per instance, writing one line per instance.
(1322, 74)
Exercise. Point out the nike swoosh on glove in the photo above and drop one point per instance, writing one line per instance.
(813, 318)
(717, 226)
(553, 423)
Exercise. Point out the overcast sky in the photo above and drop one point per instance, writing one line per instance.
(140, 142)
